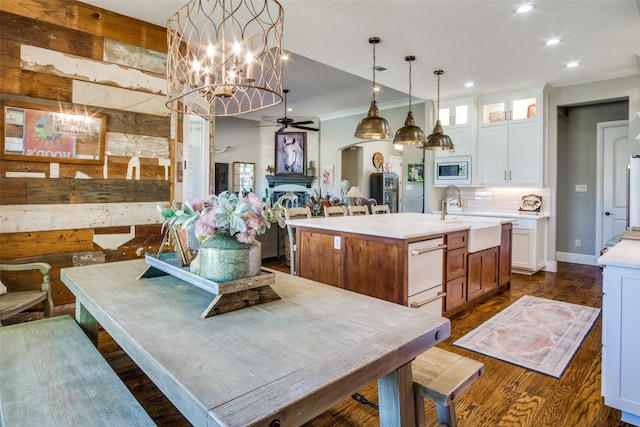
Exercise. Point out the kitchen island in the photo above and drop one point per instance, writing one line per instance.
(620, 320)
(394, 257)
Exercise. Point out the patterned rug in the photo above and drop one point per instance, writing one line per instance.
(535, 333)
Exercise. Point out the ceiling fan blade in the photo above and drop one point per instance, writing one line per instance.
(305, 128)
(281, 129)
(306, 122)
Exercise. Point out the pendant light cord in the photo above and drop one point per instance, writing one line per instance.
(410, 85)
(373, 89)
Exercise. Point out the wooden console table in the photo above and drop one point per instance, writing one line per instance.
(279, 363)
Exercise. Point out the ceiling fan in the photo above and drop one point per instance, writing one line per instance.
(287, 122)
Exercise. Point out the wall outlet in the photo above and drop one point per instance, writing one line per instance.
(581, 188)
(336, 242)
(578, 243)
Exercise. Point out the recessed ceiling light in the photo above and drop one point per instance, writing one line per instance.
(469, 84)
(573, 64)
(525, 8)
(553, 41)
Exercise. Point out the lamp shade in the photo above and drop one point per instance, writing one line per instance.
(224, 57)
(373, 126)
(438, 140)
(410, 134)
(354, 192)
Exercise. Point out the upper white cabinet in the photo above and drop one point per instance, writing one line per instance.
(510, 139)
(457, 117)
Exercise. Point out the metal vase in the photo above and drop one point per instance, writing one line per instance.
(223, 258)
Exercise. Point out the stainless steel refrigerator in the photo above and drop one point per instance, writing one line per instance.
(633, 192)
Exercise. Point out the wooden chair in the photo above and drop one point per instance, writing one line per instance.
(293, 213)
(14, 302)
(380, 209)
(441, 376)
(358, 210)
(334, 211)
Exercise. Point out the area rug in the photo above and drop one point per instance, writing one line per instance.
(535, 333)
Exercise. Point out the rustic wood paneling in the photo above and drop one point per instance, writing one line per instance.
(31, 218)
(36, 32)
(51, 11)
(9, 54)
(134, 56)
(128, 122)
(35, 244)
(116, 98)
(35, 85)
(54, 191)
(128, 145)
(150, 169)
(89, 19)
(49, 61)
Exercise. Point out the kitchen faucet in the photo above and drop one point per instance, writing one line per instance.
(443, 203)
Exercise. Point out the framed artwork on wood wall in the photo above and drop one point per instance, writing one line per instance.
(41, 133)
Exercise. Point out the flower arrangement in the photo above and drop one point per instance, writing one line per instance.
(243, 216)
(317, 202)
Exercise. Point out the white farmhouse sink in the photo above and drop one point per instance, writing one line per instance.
(483, 235)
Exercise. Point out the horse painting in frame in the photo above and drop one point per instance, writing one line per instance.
(291, 153)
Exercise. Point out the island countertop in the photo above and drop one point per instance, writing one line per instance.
(404, 225)
(624, 254)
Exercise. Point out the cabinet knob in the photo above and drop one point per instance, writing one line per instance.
(607, 213)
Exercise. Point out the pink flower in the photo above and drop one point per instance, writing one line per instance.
(197, 204)
(206, 224)
(246, 236)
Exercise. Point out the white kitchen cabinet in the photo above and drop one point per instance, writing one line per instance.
(510, 141)
(528, 245)
(456, 117)
(620, 338)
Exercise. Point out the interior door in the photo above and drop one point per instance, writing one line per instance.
(614, 191)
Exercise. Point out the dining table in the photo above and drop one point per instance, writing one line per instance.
(280, 363)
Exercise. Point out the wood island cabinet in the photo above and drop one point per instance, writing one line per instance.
(482, 274)
(455, 268)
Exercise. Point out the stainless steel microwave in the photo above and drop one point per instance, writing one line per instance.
(452, 170)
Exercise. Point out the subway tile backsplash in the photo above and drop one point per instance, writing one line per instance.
(484, 199)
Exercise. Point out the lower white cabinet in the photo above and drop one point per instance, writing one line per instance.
(621, 341)
(528, 245)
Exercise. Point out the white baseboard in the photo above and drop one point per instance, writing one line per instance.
(577, 258)
(551, 266)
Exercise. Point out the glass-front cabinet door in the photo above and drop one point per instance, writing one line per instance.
(456, 117)
(508, 108)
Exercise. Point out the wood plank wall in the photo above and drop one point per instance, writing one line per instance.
(74, 214)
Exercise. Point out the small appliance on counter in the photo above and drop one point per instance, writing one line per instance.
(531, 203)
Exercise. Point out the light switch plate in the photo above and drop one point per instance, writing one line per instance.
(581, 188)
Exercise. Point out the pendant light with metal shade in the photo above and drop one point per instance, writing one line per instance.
(373, 126)
(410, 134)
(438, 140)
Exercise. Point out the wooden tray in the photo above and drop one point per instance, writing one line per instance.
(230, 296)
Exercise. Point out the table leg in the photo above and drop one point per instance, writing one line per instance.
(395, 396)
(87, 322)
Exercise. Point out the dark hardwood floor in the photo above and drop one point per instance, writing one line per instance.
(506, 395)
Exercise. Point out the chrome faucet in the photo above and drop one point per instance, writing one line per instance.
(445, 201)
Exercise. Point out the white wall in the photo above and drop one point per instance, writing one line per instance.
(627, 87)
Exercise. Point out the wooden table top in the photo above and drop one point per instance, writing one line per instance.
(290, 359)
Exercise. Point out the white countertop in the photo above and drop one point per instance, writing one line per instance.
(624, 254)
(404, 225)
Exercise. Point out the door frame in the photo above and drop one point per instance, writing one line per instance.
(601, 126)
